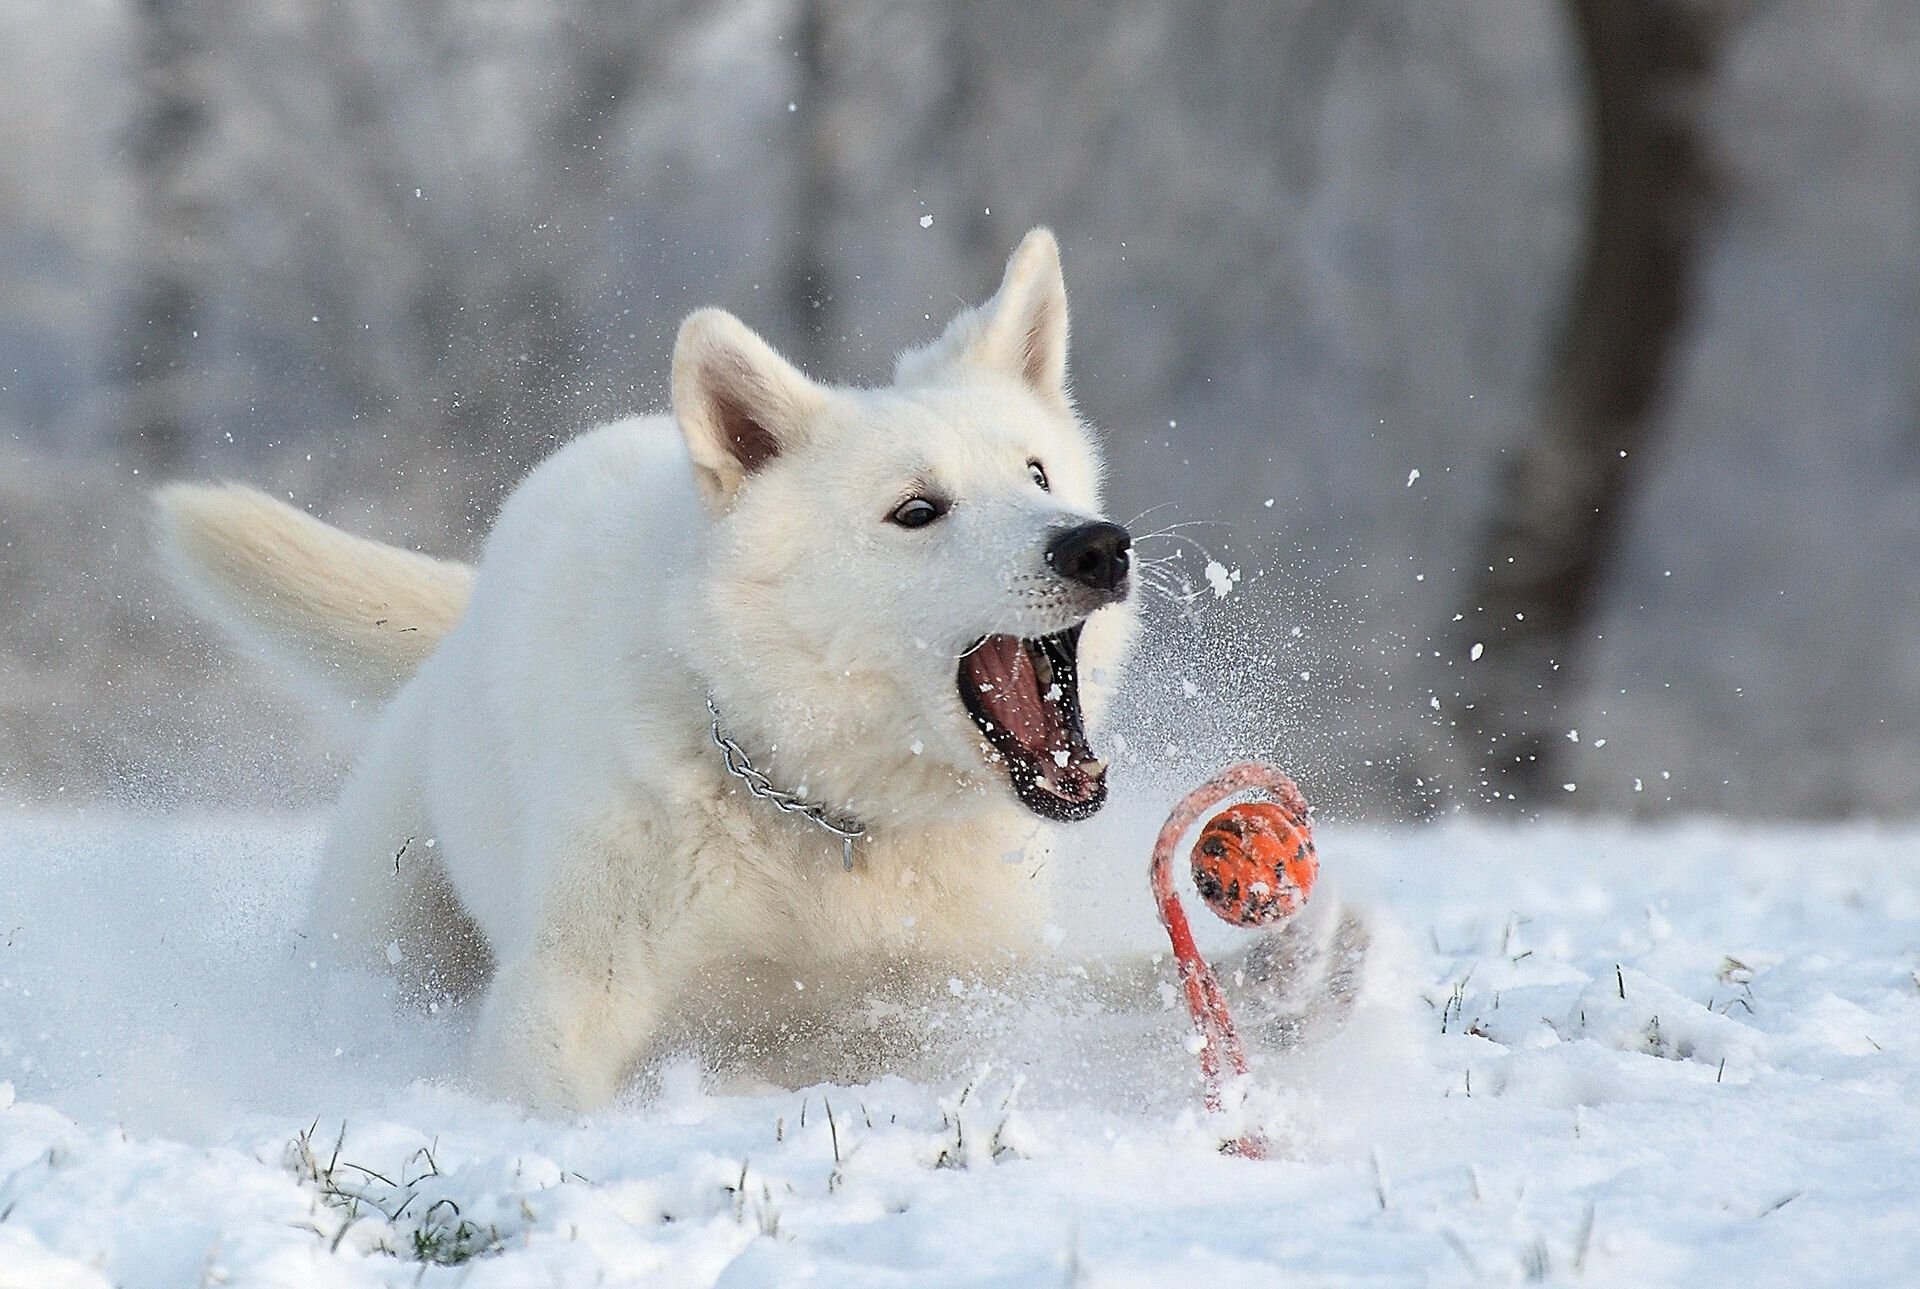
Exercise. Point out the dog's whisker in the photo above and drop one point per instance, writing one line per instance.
(1197, 546)
(1155, 589)
(1172, 537)
(1181, 590)
(1148, 511)
(1174, 532)
(1160, 584)
(1149, 577)
(1154, 535)
(1175, 585)
(1166, 566)
(1191, 523)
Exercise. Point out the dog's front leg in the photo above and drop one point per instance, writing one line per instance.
(563, 1023)
(1292, 985)
(1303, 981)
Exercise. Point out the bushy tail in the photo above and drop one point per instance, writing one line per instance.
(352, 615)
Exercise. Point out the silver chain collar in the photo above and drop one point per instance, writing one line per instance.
(740, 766)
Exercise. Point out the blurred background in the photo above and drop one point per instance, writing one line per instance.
(1546, 372)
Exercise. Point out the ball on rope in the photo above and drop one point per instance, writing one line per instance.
(1254, 863)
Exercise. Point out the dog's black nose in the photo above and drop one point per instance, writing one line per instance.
(1094, 555)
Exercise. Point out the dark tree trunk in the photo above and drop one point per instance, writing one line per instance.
(808, 272)
(1555, 524)
(160, 404)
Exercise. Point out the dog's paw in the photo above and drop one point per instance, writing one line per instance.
(1301, 982)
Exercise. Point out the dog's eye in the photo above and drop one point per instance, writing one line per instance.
(1038, 473)
(917, 512)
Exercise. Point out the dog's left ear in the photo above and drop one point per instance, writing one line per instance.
(738, 402)
(1021, 332)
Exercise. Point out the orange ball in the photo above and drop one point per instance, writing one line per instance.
(1254, 863)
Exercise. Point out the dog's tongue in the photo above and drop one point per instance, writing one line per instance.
(1002, 672)
(1009, 688)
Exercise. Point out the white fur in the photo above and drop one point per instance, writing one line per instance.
(352, 616)
(542, 770)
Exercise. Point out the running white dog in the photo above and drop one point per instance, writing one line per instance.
(746, 712)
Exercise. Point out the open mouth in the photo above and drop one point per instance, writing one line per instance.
(1025, 697)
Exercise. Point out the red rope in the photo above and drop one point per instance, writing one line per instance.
(1207, 1004)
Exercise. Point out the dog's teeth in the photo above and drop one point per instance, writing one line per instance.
(1045, 786)
(1092, 768)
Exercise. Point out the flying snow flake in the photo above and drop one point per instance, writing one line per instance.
(1473, 654)
(916, 747)
(1190, 689)
(1573, 736)
(1570, 787)
(926, 221)
(394, 955)
(1220, 579)
(1268, 503)
(1411, 476)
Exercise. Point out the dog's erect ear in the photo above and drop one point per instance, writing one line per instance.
(738, 402)
(1021, 332)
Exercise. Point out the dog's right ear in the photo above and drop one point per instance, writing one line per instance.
(739, 404)
(1021, 332)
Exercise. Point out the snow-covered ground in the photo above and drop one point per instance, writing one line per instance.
(1587, 1054)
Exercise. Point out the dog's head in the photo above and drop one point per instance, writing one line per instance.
(914, 602)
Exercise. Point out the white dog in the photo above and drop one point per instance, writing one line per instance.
(746, 712)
